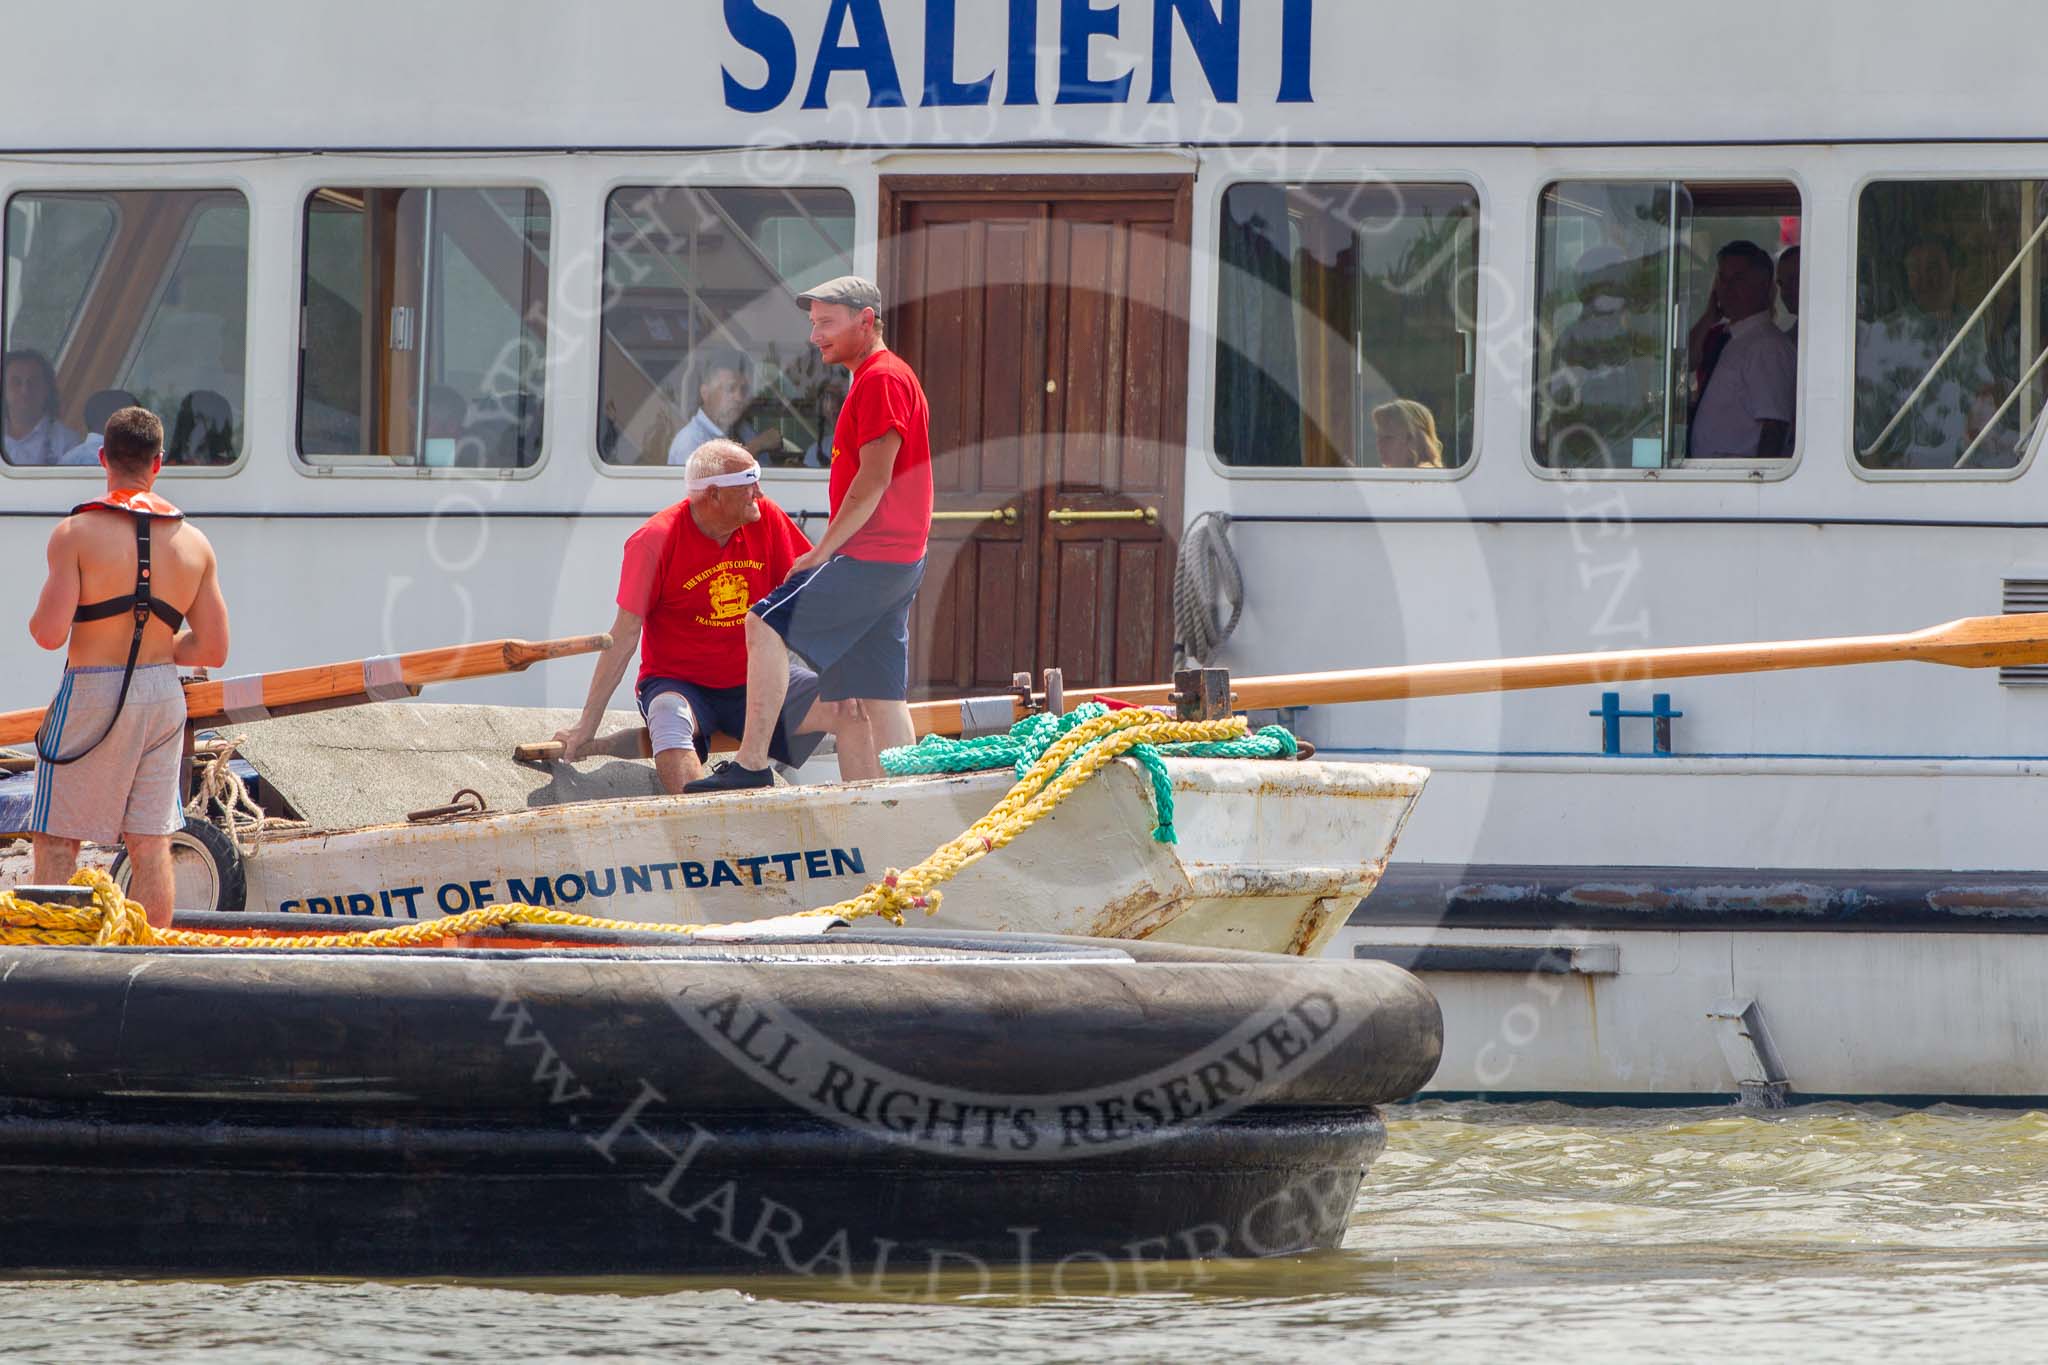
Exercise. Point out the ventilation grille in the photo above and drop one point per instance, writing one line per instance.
(2023, 595)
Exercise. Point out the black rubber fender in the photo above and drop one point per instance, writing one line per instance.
(451, 1031)
(557, 1111)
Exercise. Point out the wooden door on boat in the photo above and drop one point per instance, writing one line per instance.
(1047, 319)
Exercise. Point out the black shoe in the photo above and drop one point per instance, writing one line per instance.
(729, 776)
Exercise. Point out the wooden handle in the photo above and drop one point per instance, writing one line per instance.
(618, 744)
(521, 654)
(345, 683)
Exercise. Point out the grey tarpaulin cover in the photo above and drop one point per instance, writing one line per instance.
(369, 765)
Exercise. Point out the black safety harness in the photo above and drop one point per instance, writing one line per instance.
(142, 605)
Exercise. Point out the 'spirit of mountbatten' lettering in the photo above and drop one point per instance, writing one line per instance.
(570, 887)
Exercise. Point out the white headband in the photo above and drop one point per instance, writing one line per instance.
(739, 478)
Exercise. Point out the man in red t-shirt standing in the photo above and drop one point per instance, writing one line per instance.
(690, 573)
(846, 606)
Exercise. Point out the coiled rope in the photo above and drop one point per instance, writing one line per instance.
(222, 788)
(1080, 749)
(1206, 579)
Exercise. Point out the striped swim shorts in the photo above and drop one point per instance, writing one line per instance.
(130, 783)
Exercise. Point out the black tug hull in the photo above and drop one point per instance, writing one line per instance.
(878, 1104)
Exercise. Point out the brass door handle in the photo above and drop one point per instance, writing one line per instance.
(1006, 515)
(1067, 516)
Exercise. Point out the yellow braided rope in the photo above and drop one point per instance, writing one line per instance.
(112, 920)
(1033, 798)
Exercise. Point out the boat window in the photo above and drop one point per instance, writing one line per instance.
(1667, 325)
(424, 327)
(702, 335)
(119, 298)
(1346, 326)
(1951, 306)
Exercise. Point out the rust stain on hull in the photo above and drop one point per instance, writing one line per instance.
(2016, 900)
(1795, 898)
(1136, 915)
(1311, 926)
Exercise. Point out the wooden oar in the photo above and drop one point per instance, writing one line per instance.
(326, 686)
(1975, 642)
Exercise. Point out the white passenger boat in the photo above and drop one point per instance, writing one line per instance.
(1663, 986)
(424, 315)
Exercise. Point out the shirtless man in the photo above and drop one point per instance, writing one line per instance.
(111, 751)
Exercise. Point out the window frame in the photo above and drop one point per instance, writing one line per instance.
(1697, 471)
(1862, 184)
(860, 191)
(1211, 360)
(359, 465)
(89, 183)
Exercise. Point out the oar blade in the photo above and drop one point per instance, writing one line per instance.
(1988, 641)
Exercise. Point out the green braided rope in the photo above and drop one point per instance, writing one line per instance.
(1029, 738)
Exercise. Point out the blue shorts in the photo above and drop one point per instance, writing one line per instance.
(725, 708)
(851, 620)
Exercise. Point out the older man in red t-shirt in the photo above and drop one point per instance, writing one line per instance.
(846, 606)
(691, 571)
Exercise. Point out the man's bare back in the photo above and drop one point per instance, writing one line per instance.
(94, 553)
(110, 756)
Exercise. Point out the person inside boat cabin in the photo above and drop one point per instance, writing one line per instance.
(133, 591)
(203, 431)
(1404, 433)
(98, 409)
(1788, 288)
(28, 411)
(690, 573)
(1745, 371)
(1921, 367)
(721, 405)
(846, 605)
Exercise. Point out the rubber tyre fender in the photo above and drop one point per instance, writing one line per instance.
(208, 843)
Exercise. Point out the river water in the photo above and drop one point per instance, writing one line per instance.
(1535, 1232)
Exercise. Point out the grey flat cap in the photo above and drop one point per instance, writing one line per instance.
(849, 290)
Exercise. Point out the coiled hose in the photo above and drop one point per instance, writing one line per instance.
(1206, 581)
